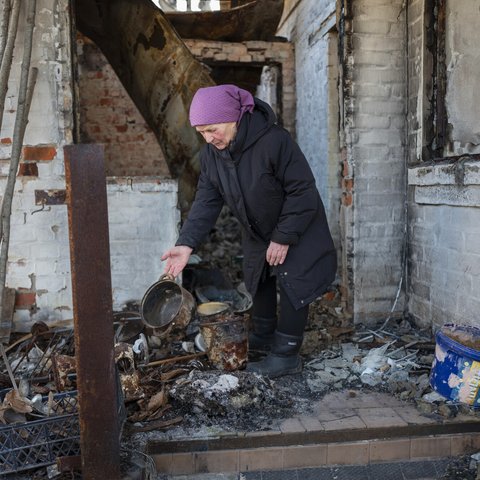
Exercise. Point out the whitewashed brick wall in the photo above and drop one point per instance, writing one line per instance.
(308, 26)
(38, 259)
(143, 219)
(142, 211)
(444, 198)
(364, 186)
(444, 232)
(375, 140)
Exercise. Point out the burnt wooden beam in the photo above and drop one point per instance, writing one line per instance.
(440, 88)
(6, 319)
(435, 84)
(157, 70)
(254, 20)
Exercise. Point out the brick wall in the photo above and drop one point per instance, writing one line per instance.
(375, 138)
(443, 268)
(255, 53)
(444, 265)
(361, 173)
(142, 210)
(143, 221)
(38, 266)
(444, 197)
(444, 261)
(310, 24)
(109, 116)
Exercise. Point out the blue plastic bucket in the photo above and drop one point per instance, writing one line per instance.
(455, 371)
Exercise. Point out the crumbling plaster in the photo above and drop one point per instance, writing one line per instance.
(463, 71)
(444, 195)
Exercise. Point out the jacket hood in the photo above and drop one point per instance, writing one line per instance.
(258, 122)
(252, 126)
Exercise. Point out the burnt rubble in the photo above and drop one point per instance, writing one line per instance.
(241, 400)
(396, 359)
(171, 386)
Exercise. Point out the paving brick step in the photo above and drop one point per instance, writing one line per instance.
(290, 454)
(412, 470)
(372, 428)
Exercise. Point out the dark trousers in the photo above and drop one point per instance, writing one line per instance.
(290, 321)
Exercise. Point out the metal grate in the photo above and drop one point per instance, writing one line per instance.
(39, 443)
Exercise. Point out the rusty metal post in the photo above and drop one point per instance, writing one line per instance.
(92, 305)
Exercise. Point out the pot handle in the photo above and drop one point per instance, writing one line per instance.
(166, 332)
(167, 276)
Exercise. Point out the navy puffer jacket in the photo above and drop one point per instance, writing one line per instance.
(266, 181)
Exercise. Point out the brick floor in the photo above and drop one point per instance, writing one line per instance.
(411, 415)
(385, 417)
(345, 423)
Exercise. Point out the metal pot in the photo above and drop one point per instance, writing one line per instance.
(166, 307)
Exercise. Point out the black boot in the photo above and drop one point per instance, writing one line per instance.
(261, 338)
(283, 359)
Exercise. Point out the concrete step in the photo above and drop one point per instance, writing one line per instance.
(367, 432)
(412, 470)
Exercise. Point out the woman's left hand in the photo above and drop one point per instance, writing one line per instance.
(276, 253)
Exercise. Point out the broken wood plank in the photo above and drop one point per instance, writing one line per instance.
(166, 361)
(6, 320)
(158, 425)
(8, 367)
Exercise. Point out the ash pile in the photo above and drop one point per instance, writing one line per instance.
(236, 400)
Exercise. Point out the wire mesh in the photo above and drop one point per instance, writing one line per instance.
(39, 442)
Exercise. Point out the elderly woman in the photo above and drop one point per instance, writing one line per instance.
(253, 165)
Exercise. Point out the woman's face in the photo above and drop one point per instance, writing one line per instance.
(218, 134)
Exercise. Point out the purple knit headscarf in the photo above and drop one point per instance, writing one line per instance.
(220, 104)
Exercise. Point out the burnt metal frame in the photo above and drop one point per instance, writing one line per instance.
(93, 316)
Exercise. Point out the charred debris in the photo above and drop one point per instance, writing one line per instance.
(177, 377)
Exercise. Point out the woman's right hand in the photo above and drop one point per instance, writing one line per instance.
(177, 257)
